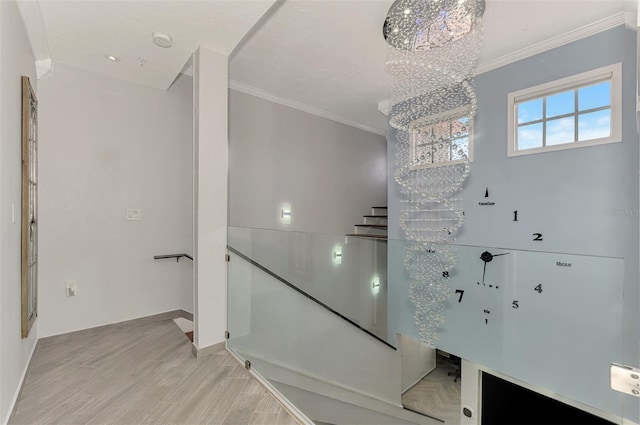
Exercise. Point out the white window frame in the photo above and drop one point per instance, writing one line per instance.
(462, 112)
(611, 73)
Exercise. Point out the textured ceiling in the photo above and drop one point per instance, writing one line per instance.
(81, 33)
(330, 54)
(511, 25)
(326, 55)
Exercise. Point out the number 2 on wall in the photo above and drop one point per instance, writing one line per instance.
(537, 236)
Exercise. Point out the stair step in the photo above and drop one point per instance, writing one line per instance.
(365, 236)
(378, 210)
(374, 219)
(370, 229)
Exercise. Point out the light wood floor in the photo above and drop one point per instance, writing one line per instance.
(436, 394)
(140, 373)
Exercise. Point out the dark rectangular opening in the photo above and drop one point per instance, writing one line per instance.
(505, 403)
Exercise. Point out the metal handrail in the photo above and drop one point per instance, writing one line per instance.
(307, 295)
(176, 256)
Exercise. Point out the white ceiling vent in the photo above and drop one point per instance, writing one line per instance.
(163, 40)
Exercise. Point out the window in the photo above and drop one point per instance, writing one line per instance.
(440, 143)
(582, 110)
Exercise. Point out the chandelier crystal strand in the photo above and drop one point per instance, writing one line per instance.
(434, 48)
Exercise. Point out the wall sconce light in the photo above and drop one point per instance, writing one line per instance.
(375, 285)
(286, 216)
(337, 255)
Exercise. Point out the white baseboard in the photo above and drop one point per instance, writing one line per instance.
(206, 351)
(16, 396)
(418, 380)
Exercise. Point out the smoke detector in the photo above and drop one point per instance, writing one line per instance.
(162, 39)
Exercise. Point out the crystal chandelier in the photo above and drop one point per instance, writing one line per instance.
(423, 25)
(434, 47)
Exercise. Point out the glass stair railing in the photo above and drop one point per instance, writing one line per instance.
(319, 315)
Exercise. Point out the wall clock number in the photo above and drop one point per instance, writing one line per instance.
(486, 193)
(515, 215)
(538, 288)
(537, 236)
(461, 292)
(515, 304)
(445, 274)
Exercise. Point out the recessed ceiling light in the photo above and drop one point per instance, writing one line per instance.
(112, 58)
(162, 39)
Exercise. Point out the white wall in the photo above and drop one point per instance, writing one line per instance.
(211, 168)
(16, 59)
(418, 359)
(330, 174)
(307, 262)
(106, 146)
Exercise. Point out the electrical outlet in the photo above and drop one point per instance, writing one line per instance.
(72, 288)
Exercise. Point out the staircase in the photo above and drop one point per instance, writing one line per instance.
(374, 225)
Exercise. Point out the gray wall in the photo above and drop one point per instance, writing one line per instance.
(106, 146)
(16, 59)
(564, 195)
(331, 174)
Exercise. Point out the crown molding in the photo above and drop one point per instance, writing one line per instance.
(36, 32)
(620, 18)
(244, 88)
(596, 27)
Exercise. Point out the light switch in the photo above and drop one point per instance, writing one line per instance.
(133, 214)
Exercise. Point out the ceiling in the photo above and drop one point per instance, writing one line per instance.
(82, 33)
(324, 56)
(330, 54)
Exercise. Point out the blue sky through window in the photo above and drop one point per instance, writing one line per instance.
(594, 96)
(552, 120)
(561, 104)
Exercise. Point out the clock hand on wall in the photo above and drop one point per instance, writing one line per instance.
(487, 257)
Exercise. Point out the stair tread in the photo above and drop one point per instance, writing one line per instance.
(380, 226)
(375, 216)
(360, 235)
(380, 208)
